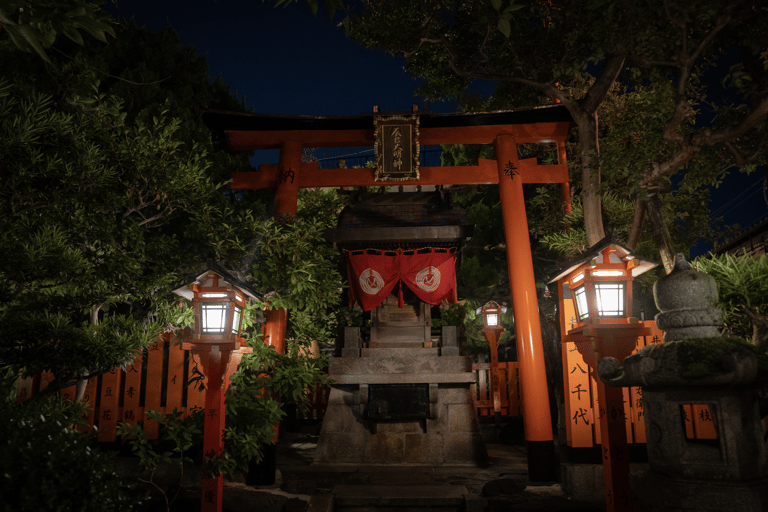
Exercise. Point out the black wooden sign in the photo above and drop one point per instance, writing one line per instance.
(397, 148)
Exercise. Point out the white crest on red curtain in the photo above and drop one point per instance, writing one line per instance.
(428, 279)
(371, 281)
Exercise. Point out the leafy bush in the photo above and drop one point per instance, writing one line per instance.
(45, 465)
(464, 314)
(742, 283)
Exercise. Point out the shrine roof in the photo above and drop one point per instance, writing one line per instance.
(402, 219)
(239, 121)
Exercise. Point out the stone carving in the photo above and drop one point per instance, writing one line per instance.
(687, 300)
(695, 366)
(661, 365)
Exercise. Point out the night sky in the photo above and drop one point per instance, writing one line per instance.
(284, 60)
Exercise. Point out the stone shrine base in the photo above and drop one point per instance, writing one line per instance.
(450, 435)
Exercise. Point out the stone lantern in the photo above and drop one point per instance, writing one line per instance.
(685, 473)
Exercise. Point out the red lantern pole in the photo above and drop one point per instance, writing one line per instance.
(492, 336)
(214, 363)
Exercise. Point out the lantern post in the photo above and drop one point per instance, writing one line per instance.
(493, 330)
(218, 301)
(597, 287)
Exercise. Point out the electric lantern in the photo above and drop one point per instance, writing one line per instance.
(218, 300)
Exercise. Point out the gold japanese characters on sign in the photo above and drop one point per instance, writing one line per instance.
(397, 148)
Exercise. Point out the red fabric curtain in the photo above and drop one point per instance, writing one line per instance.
(431, 276)
(374, 274)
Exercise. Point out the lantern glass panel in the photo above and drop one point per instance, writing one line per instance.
(610, 299)
(608, 273)
(214, 317)
(236, 319)
(492, 319)
(580, 296)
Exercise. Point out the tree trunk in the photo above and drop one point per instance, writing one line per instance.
(661, 233)
(589, 151)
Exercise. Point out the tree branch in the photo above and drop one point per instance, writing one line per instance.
(730, 133)
(605, 80)
(685, 63)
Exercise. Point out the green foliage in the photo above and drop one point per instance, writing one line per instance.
(34, 26)
(177, 437)
(47, 465)
(264, 381)
(659, 122)
(464, 314)
(742, 282)
(109, 191)
(87, 200)
(298, 270)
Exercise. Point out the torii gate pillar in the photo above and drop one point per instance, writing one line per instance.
(530, 349)
(286, 203)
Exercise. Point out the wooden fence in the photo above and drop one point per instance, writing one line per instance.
(158, 379)
(581, 405)
(509, 389)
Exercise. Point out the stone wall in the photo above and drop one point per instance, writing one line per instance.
(452, 437)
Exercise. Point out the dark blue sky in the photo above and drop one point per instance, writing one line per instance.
(284, 60)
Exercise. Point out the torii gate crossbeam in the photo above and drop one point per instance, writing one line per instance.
(247, 132)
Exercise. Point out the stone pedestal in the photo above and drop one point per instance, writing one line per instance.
(450, 435)
(727, 473)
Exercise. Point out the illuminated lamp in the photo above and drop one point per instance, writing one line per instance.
(492, 315)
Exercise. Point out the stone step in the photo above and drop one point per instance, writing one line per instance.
(417, 331)
(389, 350)
(389, 345)
(435, 498)
(405, 363)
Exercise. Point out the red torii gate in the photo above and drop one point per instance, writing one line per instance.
(547, 124)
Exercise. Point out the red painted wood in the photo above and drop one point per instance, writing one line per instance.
(132, 411)
(109, 405)
(153, 388)
(196, 391)
(175, 382)
(214, 367)
(483, 173)
(618, 494)
(288, 182)
(524, 133)
(530, 349)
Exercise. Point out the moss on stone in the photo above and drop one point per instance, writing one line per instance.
(701, 357)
